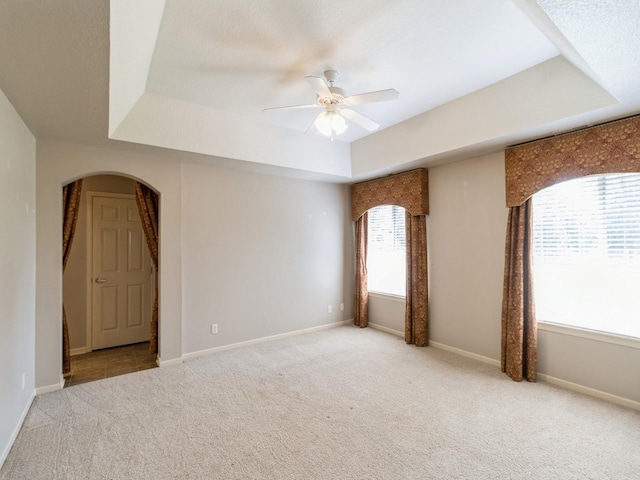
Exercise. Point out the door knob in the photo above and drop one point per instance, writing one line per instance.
(101, 280)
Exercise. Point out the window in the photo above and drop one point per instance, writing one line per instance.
(586, 247)
(386, 250)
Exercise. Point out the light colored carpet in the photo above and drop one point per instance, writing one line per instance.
(343, 403)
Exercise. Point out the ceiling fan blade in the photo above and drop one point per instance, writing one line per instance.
(370, 97)
(319, 85)
(293, 107)
(312, 127)
(359, 119)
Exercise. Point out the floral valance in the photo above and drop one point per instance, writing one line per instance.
(609, 148)
(409, 190)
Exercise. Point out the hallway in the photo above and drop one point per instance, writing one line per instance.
(110, 362)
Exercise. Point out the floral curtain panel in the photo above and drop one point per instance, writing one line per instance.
(361, 294)
(519, 329)
(411, 191)
(416, 325)
(147, 201)
(70, 208)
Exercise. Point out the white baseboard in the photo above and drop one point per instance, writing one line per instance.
(382, 328)
(50, 388)
(166, 363)
(16, 430)
(481, 358)
(78, 351)
(271, 338)
(441, 346)
(625, 402)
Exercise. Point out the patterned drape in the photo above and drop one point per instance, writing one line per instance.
(147, 201)
(70, 208)
(416, 330)
(519, 330)
(361, 294)
(411, 191)
(609, 148)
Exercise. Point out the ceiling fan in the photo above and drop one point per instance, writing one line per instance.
(335, 102)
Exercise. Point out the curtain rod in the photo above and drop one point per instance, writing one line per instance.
(574, 130)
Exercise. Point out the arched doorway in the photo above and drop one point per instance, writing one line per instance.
(109, 283)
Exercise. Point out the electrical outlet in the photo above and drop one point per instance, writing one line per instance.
(342, 307)
(214, 328)
(329, 309)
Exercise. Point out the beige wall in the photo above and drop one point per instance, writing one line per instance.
(18, 267)
(387, 312)
(258, 254)
(467, 225)
(75, 281)
(262, 255)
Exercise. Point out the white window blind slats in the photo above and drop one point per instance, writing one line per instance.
(586, 246)
(386, 257)
(387, 228)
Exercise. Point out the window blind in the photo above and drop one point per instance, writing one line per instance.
(386, 250)
(586, 247)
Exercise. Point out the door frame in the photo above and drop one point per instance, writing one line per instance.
(89, 261)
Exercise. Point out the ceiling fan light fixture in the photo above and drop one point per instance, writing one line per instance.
(334, 101)
(330, 123)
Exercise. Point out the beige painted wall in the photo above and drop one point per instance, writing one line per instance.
(75, 281)
(388, 312)
(18, 267)
(262, 255)
(467, 225)
(258, 254)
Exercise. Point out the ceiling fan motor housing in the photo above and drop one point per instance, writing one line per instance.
(336, 98)
(337, 94)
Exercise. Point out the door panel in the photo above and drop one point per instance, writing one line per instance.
(121, 274)
(108, 308)
(135, 314)
(132, 214)
(108, 213)
(109, 250)
(136, 250)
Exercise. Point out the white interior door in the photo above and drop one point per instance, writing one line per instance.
(122, 275)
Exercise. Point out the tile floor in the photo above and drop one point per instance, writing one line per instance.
(110, 362)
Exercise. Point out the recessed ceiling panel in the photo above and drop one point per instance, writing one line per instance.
(242, 57)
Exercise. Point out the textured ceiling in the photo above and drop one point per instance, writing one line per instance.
(607, 36)
(195, 75)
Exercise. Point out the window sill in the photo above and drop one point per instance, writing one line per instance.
(611, 338)
(388, 296)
